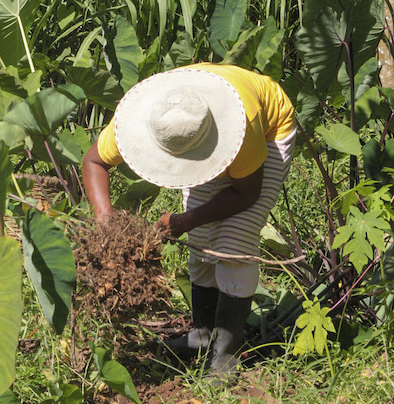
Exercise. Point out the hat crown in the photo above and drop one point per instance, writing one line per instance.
(180, 122)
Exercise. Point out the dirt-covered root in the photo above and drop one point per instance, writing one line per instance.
(119, 273)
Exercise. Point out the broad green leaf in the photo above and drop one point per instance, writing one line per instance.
(225, 24)
(114, 374)
(299, 88)
(123, 52)
(42, 113)
(12, 84)
(243, 52)
(376, 158)
(365, 106)
(9, 398)
(273, 240)
(361, 231)
(5, 176)
(14, 15)
(99, 85)
(50, 264)
(148, 64)
(327, 27)
(181, 52)
(14, 137)
(10, 308)
(340, 137)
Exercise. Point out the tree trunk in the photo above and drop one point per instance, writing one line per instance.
(386, 57)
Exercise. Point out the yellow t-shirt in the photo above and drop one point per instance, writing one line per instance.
(269, 114)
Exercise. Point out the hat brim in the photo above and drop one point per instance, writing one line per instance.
(198, 166)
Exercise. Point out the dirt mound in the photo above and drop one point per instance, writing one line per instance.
(118, 268)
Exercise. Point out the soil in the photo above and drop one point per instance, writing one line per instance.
(120, 282)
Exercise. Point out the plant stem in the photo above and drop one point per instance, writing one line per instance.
(59, 173)
(27, 50)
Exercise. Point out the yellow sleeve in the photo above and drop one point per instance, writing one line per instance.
(107, 147)
(252, 154)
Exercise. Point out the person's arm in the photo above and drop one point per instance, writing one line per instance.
(96, 180)
(241, 195)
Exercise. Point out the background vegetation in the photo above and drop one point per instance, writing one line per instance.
(64, 67)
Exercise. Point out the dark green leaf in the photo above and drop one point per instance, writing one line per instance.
(114, 374)
(42, 113)
(5, 176)
(9, 398)
(340, 137)
(10, 308)
(49, 262)
(99, 85)
(225, 24)
(11, 12)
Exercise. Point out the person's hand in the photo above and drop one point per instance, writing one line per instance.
(171, 224)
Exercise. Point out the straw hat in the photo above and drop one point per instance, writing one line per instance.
(180, 128)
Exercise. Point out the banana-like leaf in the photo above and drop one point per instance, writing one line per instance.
(10, 308)
(225, 24)
(13, 16)
(50, 264)
(42, 113)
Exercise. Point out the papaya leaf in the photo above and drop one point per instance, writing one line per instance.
(50, 264)
(315, 325)
(42, 113)
(114, 374)
(340, 137)
(13, 16)
(360, 232)
(350, 198)
(10, 308)
(225, 24)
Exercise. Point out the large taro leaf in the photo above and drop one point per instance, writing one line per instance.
(376, 158)
(340, 137)
(225, 24)
(328, 30)
(114, 374)
(42, 113)
(15, 15)
(99, 85)
(5, 175)
(10, 308)
(50, 264)
(122, 52)
(181, 52)
(9, 398)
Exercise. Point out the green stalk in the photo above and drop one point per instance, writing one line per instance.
(25, 44)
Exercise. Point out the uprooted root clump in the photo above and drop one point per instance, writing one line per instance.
(119, 273)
